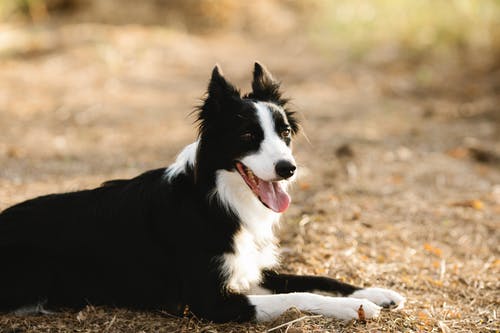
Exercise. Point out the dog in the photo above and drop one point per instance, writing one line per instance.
(195, 236)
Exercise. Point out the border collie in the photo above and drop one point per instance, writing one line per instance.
(197, 235)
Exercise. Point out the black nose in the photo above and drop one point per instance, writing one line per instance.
(285, 169)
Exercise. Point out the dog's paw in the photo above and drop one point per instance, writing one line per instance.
(384, 297)
(346, 308)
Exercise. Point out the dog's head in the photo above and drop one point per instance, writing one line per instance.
(250, 135)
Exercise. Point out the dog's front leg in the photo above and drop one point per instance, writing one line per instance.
(238, 307)
(268, 307)
(288, 283)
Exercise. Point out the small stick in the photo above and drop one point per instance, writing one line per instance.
(361, 314)
(292, 322)
(110, 323)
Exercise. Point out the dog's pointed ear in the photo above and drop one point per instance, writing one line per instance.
(219, 87)
(221, 97)
(262, 78)
(264, 86)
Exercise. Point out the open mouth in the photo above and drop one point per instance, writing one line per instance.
(270, 193)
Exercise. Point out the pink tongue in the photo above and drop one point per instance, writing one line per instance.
(273, 196)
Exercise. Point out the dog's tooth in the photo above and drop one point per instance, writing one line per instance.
(251, 175)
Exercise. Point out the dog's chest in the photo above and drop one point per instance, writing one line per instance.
(243, 268)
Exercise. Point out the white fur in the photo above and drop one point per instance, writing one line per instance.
(380, 296)
(272, 148)
(243, 267)
(187, 157)
(255, 244)
(269, 307)
(234, 193)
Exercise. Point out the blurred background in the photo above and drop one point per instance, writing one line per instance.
(399, 100)
(403, 26)
(80, 62)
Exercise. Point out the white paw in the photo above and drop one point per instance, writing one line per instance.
(380, 296)
(346, 308)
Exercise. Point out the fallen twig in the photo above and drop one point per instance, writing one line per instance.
(292, 322)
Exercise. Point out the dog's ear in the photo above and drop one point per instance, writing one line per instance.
(265, 87)
(219, 87)
(221, 97)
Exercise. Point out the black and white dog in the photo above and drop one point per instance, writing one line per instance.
(198, 234)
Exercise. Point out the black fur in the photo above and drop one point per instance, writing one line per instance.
(148, 242)
(286, 283)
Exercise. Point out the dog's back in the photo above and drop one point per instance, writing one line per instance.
(100, 246)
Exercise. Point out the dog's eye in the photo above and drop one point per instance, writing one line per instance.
(286, 133)
(248, 136)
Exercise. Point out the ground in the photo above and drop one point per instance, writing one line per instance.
(399, 163)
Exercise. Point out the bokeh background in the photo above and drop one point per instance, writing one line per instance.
(399, 157)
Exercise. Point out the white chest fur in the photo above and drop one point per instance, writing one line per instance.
(242, 268)
(254, 244)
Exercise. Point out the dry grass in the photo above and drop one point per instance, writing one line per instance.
(405, 203)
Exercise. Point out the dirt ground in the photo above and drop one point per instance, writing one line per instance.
(399, 166)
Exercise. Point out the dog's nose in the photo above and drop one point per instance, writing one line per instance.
(285, 169)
